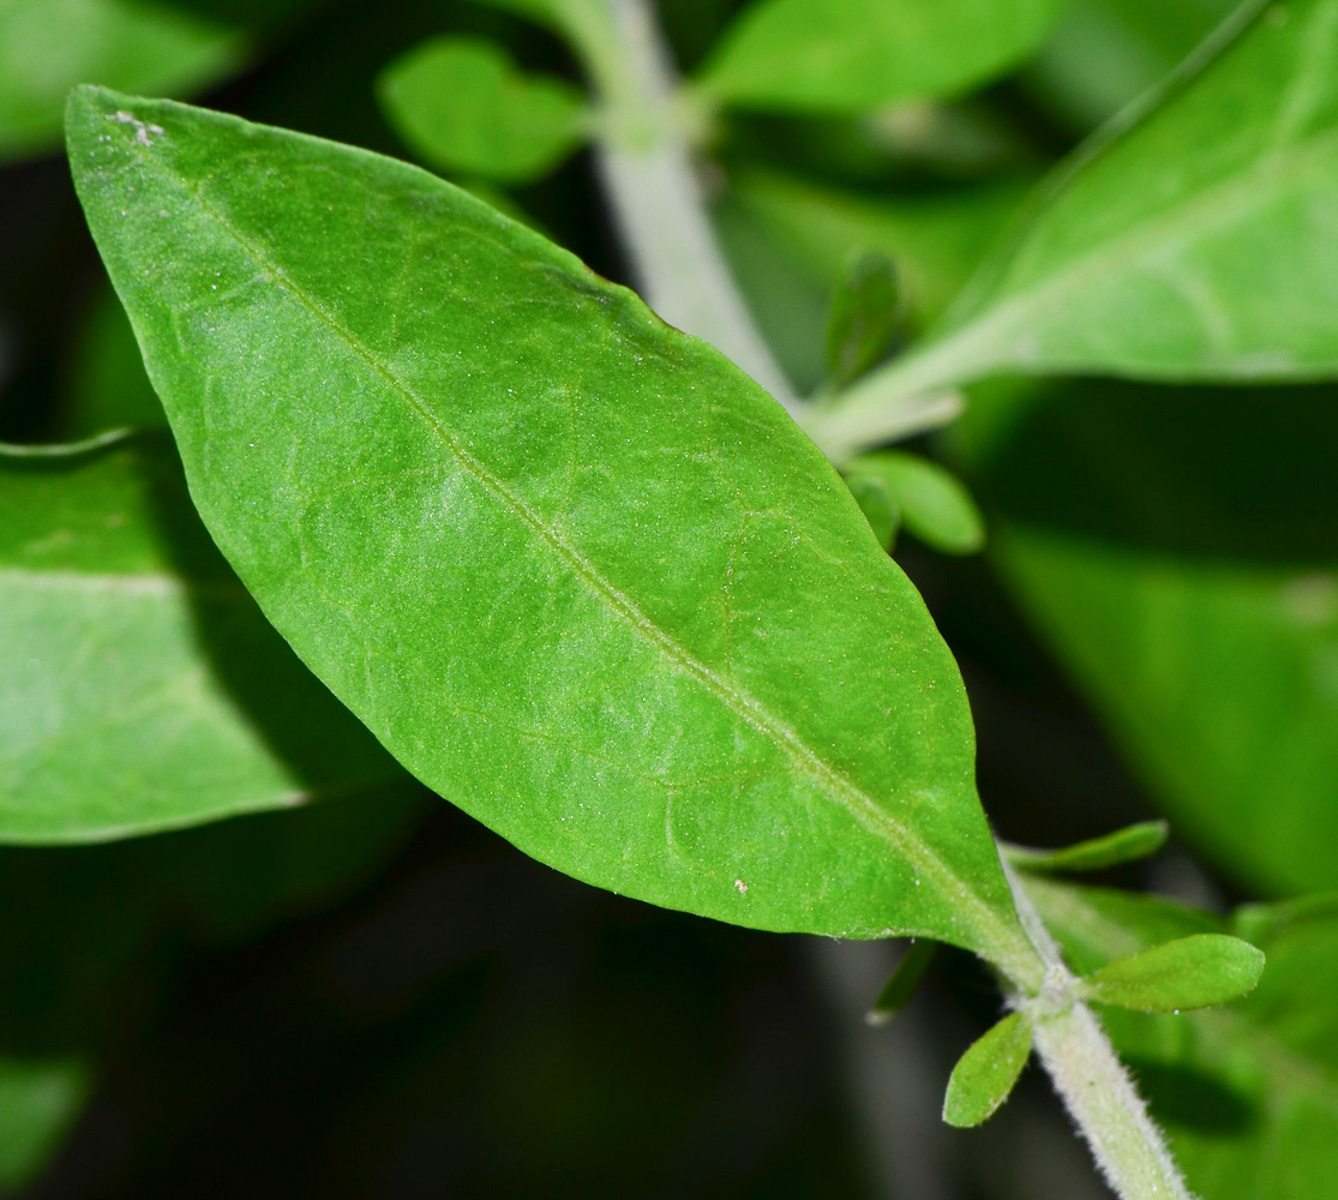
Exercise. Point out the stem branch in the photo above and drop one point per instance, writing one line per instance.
(1091, 1080)
(913, 394)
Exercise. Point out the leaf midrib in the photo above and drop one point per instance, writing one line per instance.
(857, 803)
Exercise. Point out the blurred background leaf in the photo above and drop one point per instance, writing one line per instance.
(1182, 247)
(140, 688)
(39, 1101)
(106, 386)
(1177, 548)
(855, 55)
(1104, 54)
(461, 105)
(47, 46)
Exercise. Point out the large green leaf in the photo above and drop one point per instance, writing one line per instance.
(1200, 244)
(574, 569)
(1248, 1094)
(48, 46)
(140, 688)
(853, 55)
(1177, 548)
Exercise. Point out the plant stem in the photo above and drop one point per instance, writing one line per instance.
(911, 395)
(646, 166)
(1091, 1080)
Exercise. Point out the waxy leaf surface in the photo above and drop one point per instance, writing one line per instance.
(140, 687)
(854, 55)
(573, 568)
(1249, 1093)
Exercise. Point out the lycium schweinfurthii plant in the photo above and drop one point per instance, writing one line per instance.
(627, 601)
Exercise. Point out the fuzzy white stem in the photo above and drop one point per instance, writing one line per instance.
(1091, 1080)
(646, 167)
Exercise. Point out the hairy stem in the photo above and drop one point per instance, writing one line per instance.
(646, 166)
(1091, 1080)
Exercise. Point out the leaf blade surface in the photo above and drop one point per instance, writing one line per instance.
(538, 541)
(986, 1074)
(1198, 971)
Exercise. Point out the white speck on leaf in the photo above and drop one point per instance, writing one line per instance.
(144, 131)
(743, 887)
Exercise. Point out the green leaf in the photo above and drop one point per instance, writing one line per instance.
(904, 983)
(140, 688)
(39, 1101)
(986, 1074)
(576, 570)
(461, 105)
(1249, 1093)
(1176, 548)
(1256, 923)
(853, 55)
(47, 46)
(1198, 971)
(933, 503)
(1199, 244)
(1122, 846)
(865, 317)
